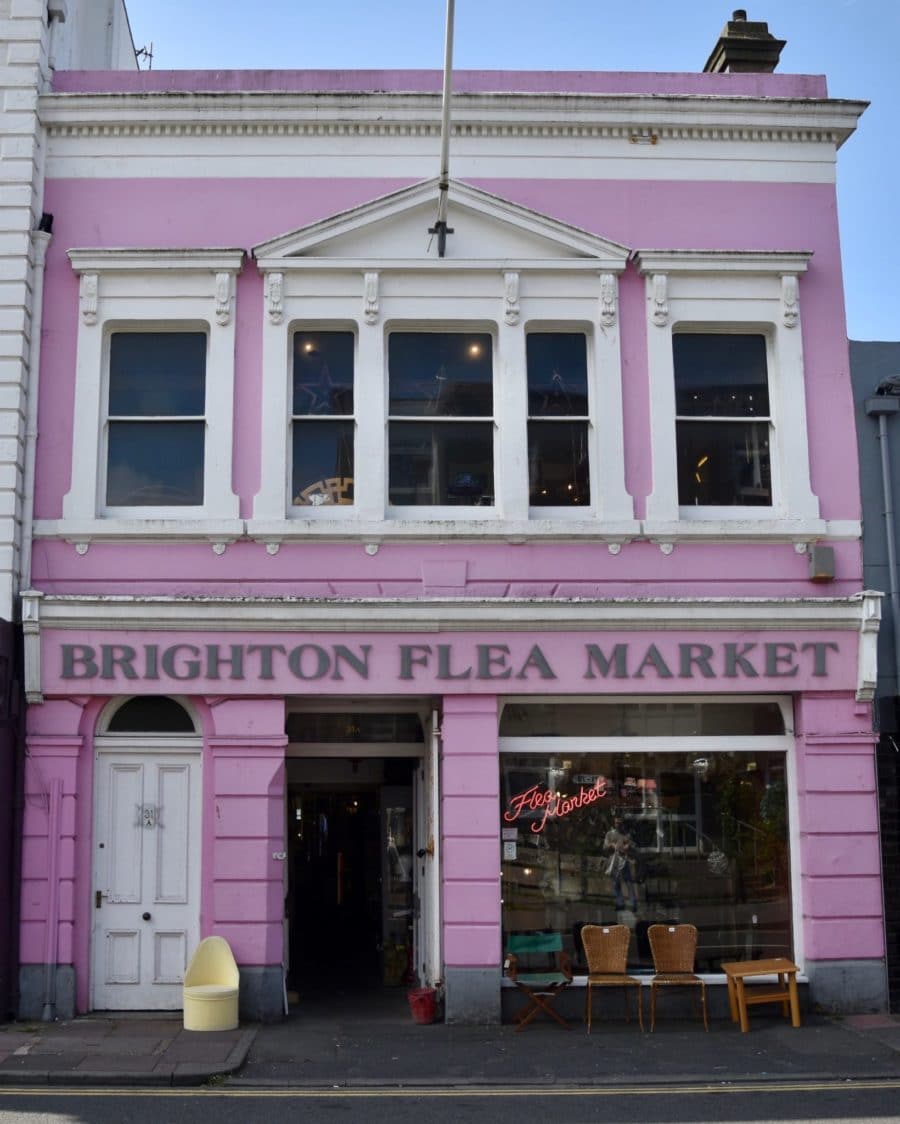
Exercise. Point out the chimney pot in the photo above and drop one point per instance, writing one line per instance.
(739, 15)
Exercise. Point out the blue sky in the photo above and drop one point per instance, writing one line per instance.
(852, 42)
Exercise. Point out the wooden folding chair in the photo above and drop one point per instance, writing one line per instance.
(542, 988)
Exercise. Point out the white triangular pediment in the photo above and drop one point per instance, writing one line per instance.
(486, 228)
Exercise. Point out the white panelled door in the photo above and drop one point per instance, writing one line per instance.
(146, 901)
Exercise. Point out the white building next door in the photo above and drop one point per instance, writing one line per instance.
(146, 890)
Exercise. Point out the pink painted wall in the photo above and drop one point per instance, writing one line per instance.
(244, 212)
(840, 856)
(243, 828)
(470, 832)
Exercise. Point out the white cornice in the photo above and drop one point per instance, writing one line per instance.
(142, 260)
(761, 262)
(536, 116)
(246, 614)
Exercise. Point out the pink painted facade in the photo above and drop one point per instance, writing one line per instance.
(246, 624)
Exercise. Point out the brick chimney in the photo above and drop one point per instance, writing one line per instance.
(744, 47)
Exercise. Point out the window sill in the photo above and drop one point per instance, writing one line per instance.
(187, 529)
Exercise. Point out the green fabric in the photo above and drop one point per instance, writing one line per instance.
(524, 943)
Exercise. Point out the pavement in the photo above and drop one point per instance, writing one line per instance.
(350, 1042)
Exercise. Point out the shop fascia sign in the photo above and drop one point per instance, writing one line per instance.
(184, 661)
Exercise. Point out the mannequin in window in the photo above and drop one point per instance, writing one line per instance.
(617, 844)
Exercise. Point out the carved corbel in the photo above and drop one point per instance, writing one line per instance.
(511, 297)
(223, 297)
(370, 297)
(790, 300)
(89, 296)
(275, 297)
(660, 299)
(31, 630)
(608, 299)
(867, 655)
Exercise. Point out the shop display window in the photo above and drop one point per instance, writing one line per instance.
(595, 837)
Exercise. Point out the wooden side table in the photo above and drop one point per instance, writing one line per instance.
(785, 992)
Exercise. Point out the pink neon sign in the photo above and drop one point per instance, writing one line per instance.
(554, 805)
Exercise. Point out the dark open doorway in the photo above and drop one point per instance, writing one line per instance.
(350, 899)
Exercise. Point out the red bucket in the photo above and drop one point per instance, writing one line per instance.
(423, 1004)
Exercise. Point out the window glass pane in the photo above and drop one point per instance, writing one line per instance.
(442, 463)
(323, 462)
(724, 463)
(441, 374)
(151, 714)
(720, 375)
(557, 374)
(360, 727)
(703, 839)
(157, 374)
(650, 720)
(155, 464)
(323, 373)
(558, 464)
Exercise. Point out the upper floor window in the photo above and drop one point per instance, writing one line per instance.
(722, 419)
(322, 419)
(441, 428)
(558, 463)
(152, 421)
(155, 420)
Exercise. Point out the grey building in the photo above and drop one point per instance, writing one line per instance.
(875, 371)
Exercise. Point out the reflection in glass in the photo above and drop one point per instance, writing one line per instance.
(157, 374)
(322, 462)
(721, 388)
(156, 463)
(157, 380)
(720, 375)
(558, 464)
(557, 374)
(441, 463)
(323, 373)
(440, 374)
(707, 844)
(726, 463)
(558, 473)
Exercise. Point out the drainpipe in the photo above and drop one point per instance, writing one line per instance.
(40, 240)
(440, 227)
(885, 403)
(51, 936)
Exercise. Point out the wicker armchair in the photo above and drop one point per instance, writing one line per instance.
(606, 949)
(673, 948)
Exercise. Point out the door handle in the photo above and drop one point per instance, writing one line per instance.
(98, 898)
(146, 916)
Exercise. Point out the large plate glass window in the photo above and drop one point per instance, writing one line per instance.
(597, 831)
(558, 468)
(723, 420)
(441, 428)
(322, 419)
(156, 419)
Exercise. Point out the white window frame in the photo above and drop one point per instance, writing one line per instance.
(326, 294)
(150, 291)
(730, 292)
